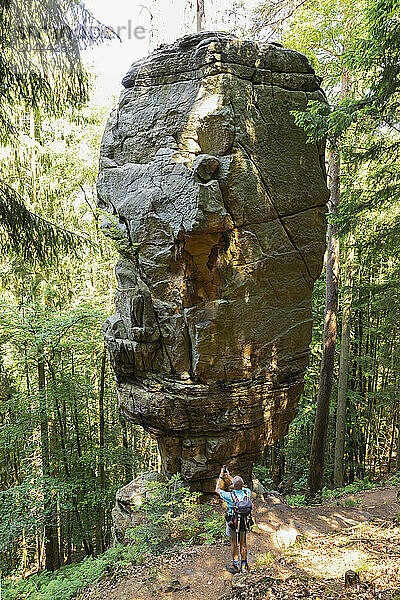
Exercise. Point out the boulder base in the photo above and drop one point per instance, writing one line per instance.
(127, 500)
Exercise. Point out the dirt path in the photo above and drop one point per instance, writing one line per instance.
(199, 572)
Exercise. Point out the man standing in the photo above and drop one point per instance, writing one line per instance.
(239, 493)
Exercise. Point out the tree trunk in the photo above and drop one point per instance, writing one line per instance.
(87, 544)
(338, 474)
(389, 463)
(129, 467)
(50, 509)
(277, 463)
(102, 476)
(315, 474)
(398, 441)
(68, 558)
(200, 15)
(24, 553)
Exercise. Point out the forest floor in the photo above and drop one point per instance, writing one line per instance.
(294, 552)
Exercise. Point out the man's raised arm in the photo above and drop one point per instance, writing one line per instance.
(223, 475)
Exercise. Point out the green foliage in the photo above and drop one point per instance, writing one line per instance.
(357, 486)
(328, 494)
(52, 314)
(376, 54)
(394, 480)
(40, 55)
(319, 121)
(171, 517)
(65, 583)
(296, 500)
(41, 76)
(117, 233)
(349, 502)
(261, 472)
(214, 528)
(30, 235)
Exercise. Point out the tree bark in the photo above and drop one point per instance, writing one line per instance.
(389, 463)
(398, 441)
(338, 474)
(50, 509)
(200, 15)
(277, 463)
(129, 466)
(316, 468)
(102, 475)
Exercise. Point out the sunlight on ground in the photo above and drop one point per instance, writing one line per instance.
(373, 549)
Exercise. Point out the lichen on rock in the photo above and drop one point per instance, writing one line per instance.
(220, 205)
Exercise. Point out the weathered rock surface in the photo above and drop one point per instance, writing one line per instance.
(217, 205)
(127, 500)
(258, 489)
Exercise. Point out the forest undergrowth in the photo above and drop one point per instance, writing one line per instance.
(173, 529)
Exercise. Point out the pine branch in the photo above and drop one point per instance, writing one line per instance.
(31, 236)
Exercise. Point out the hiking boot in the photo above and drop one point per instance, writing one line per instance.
(233, 567)
(244, 567)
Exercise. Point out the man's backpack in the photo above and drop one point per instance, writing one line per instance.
(241, 519)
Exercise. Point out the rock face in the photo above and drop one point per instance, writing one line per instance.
(127, 499)
(217, 205)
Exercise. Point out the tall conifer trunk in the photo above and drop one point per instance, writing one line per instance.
(338, 474)
(100, 547)
(316, 467)
(398, 439)
(50, 508)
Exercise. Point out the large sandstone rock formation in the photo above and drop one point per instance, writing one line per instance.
(217, 205)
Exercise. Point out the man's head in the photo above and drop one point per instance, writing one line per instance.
(238, 483)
